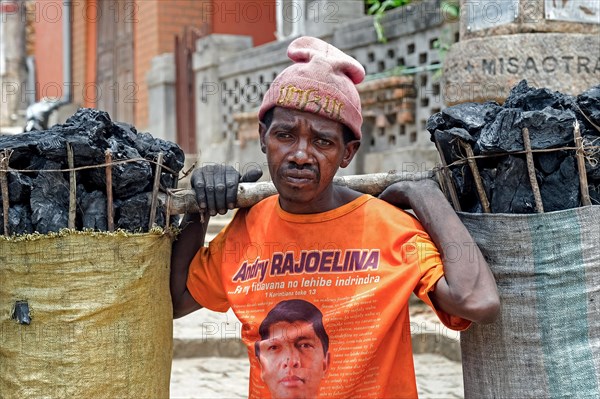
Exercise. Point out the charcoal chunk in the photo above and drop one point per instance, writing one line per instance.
(129, 178)
(21, 313)
(589, 103)
(560, 190)
(90, 119)
(128, 134)
(173, 156)
(436, 122)
(470, 116)
(549, 162)
(465, 186)
(549, 117)
(90, 133)
(167, 181)
(19, 187)
(461, 133)
(149, 147)
(134, 213)
(594, 190)
(25, 146)
(50, 200)
(512, 192)
(501, 135)
(547, 128)
(528, 98)
(449, 146)
(19, 220)
(92, 210)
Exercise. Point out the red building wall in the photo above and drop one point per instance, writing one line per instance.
(47, 19)
(156, 24)
(254, 18)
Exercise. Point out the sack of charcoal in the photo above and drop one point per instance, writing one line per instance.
(85, 309)
(524, 178)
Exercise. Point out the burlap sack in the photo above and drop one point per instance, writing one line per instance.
(101, 316)
(546, 343)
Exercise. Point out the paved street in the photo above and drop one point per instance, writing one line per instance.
(213, 377)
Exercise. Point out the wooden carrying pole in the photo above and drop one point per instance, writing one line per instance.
(184, 201)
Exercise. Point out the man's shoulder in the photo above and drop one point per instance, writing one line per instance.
(378, 205)
(264, 205)
(259, 210)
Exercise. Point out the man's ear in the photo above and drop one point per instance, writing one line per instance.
(349, 151)
(262, 131)
(326, 363)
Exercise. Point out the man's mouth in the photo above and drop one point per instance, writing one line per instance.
(299, 176)
(291, 381)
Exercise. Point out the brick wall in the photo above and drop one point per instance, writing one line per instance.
(249, 17)
(157, 24)
(174, 16)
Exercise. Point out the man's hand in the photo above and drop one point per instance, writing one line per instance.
(400, 194)
(216, 187)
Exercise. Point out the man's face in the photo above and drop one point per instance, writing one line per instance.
(292, 360)
(304, 151)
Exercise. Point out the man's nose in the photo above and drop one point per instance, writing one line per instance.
(300, 154)
(291, 359)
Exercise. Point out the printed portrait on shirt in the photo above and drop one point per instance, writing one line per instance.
(293, 350)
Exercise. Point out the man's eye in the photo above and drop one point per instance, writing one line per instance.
(305, 345)
(323, 142)
(283, 135)
(273, 347)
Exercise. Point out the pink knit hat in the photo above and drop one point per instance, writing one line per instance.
(321, 81)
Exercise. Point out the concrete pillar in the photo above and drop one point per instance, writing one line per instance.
(552, 43)
(161, 97)
(211, 51)
(323, 16)
(13, 70)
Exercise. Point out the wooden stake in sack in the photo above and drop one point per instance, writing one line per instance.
(539, 206)
(580, 155)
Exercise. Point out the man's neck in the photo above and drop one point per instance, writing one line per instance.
(337, 196)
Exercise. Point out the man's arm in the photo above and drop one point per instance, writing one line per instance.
(216, 188)
(468, 288)
(189, 242)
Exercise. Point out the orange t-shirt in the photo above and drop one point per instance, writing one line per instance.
(358, 264)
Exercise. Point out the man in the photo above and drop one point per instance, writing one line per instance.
(294, 350)
(357, 258)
